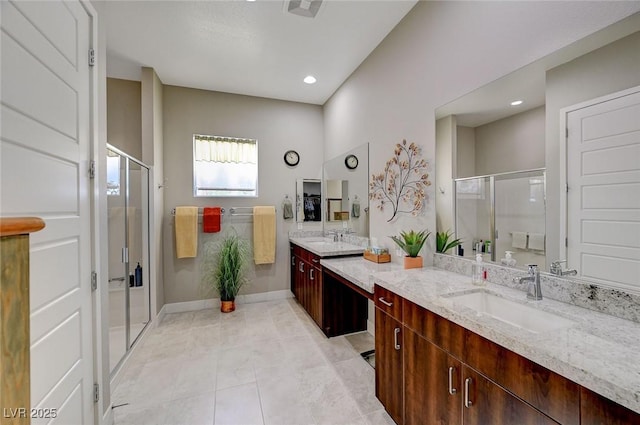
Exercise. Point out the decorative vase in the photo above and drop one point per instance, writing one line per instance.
(412, 262)
(227, 306)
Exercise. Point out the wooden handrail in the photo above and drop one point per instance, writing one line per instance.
(20, 225)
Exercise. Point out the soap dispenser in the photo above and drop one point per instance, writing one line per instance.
(478, 272)
(138, 275)
(508, 259)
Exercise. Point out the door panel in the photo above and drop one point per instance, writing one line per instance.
(44, 161)
(603, 201)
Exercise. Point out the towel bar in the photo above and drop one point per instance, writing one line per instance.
(173, 211)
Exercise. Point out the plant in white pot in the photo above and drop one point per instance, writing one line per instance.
(225, 268)
(411, 243)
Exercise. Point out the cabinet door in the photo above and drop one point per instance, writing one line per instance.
(431, 383)
(300, 278)
(389, 364)
(487, 403)
(315, 294)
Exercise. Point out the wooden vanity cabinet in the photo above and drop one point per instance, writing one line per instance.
(333, 305)
(443, 374)
(598, 410)
(389, 352)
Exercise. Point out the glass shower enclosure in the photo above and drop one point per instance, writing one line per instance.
(503, 212)
(128, 225)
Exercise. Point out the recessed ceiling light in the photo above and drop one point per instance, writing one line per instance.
(251, 0)
(309, 79)
(516, 103)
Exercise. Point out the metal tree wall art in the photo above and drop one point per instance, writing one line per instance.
(402, 185)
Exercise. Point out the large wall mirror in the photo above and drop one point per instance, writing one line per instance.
(346, 191)
(499, 176)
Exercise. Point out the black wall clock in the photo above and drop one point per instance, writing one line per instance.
(291, 158)
(351, 162)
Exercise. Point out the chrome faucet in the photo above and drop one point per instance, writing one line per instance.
(556, 268)
(534, 292)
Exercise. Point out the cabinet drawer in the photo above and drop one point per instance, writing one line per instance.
(297, 251)
(552, 394)
(313, 259)
(440, 331)
(388, 302)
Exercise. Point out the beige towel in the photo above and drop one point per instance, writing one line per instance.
(186, 227)
(264, 235)
(536, 241)
(519, 240)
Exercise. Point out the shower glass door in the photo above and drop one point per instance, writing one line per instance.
(118, 268)
(520, 207)
(128, 221)
(473, 213)
(137, 221)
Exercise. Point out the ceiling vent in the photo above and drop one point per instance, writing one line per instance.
(306, 8)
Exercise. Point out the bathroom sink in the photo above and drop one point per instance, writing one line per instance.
(511, 312)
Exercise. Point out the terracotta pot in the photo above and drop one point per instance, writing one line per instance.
(227, 306)
(412, 262)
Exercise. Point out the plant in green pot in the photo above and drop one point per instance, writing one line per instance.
(411, 243)
(225, 267)
(443, 242)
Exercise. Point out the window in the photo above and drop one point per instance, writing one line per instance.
(225, 166)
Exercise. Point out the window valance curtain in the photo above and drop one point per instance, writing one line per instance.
(225, 149)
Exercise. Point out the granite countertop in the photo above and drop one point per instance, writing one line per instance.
(598, 351)
(326, 247)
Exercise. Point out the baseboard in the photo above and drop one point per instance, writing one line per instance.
(107, 417)
(215, 302)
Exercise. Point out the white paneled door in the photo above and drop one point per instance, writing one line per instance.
(603, 200)
(44, 154)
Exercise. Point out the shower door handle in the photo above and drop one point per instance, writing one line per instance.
(125, 255)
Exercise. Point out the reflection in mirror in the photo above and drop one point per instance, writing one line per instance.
(503, 217)
(481, 134)
(337, 198)
(346, 192)
(308, 200)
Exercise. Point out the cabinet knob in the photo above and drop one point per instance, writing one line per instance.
(385, 302)
(396, 343)
(452, 390)
(467, 398)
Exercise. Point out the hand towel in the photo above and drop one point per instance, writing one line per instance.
(186, 227)
(355, 210)
(287, 209)
(536, 241)
(211, 219)
(519, 240)
(264, 235)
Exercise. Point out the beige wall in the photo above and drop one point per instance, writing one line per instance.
(466, 152)
(124, 128)
(612, 68)
(278, 126)
(446, 130)
(511, 144)
(152, 155)
(438, 52)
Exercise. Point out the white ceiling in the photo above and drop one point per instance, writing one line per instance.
(252, 48)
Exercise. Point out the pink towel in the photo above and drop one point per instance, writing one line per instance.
(211, 219)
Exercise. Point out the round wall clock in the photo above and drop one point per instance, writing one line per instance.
(351, 162)
(291, 158)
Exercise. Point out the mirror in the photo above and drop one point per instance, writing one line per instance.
(482, 134)
(346, 191)
(308, 200)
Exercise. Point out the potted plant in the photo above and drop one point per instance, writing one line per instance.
(443, 244)
(225, 268)
(411, 243)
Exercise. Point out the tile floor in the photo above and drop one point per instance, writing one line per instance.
(266, 363)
